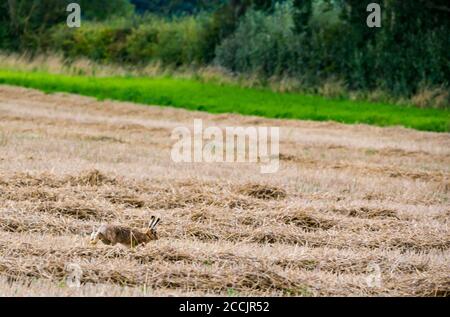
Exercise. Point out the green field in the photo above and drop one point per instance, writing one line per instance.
(219, 98)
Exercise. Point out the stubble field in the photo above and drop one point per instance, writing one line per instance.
(355, 210)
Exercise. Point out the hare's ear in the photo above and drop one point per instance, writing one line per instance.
(155, 223)
(152, 221)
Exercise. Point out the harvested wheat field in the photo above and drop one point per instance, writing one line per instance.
(353, 211)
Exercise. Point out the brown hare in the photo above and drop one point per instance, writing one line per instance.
(112, 235)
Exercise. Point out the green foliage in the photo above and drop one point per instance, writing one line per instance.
(410, 49)
(95, 40)
(303, 14)
(263, 43)
(175, 7)
(330, 40)
(180, 42)
(173, 42)
(196, 95)
(407, 51)
(24, 24)
(99, 10)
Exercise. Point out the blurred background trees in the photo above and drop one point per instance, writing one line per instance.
(312, 41)
(24, 24)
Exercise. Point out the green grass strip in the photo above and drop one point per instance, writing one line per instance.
(217, 98)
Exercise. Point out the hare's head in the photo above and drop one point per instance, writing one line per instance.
(94, 237)
(151, 231)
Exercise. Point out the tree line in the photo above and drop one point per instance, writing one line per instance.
(312, 41)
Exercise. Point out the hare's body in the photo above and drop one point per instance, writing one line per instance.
(112, 235)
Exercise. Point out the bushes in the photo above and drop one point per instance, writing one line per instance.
(181, 41)
(263, 43)
(402, 67)
(267, 44)
(173, 42)
(333, 47)
(100, 10)
(409, 50)
(25, 24)
(175, 7)
(97, 41)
